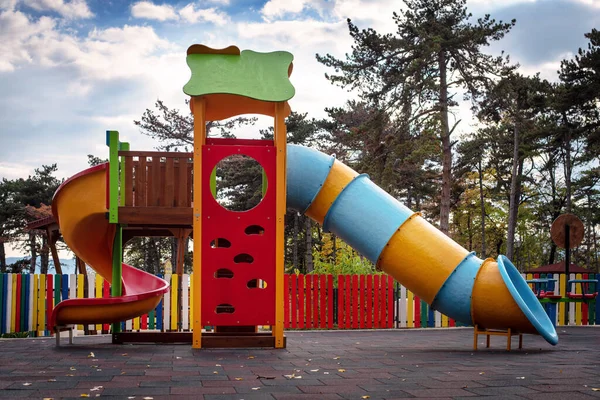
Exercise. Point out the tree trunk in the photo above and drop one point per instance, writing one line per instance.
(295, 242)
(446, 147)
(308, 261)
(2, 258)
(333, 249)
(482, 201)
(567, 167)
(32, 244)
(552, 254)
(174, 253)
(595, 249)
(470, 231)
(44, 255)
(513, 209)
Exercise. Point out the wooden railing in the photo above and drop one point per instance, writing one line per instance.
(156, 186)
(157, 179)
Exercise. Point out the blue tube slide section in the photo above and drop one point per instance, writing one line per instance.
(366, 217)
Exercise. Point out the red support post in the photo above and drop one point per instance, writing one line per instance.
(287, 297)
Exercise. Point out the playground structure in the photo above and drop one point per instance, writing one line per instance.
(238, 256)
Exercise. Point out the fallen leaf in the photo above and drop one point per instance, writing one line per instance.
(27, 384)
(179, 358)
(520, 377)
(123, 373)
(124, 354)
(51, 380)
(239, 379)
(596, 389)
(94, 366)
(341, 370)
(314, 370)
(264, 377)
(217, 365)
(336, 358)
(148, 398)
(91, 354)
(131, 397)
(73, 369)
(325, 373)
(70, 375)
(84, 395)
(256, 388)
(250, 357)
(48, 398)
(215, 372)
(99, 369)
(289, 376)
(365, 397)
(96, 388)
(481, 373)
(298, 377)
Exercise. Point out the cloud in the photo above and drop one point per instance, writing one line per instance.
(277, 8)
(74, 9)
(191, 15)
(17, 34)
(149, 10)
(8, 4)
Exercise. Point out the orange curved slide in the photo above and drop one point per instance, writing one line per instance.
(79, 206)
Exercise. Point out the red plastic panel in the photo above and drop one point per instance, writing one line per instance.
(249, 306)
(238, 142)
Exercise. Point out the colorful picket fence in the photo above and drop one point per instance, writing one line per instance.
(313, 302)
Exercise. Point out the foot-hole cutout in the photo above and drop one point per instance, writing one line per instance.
(224, 273)
(225, 309)
(256, 284)
(255, 230)
(220, 243)
(243, 258)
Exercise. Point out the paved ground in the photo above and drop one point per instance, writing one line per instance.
(385, 364)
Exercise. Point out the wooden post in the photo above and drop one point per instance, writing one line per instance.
(280, 209)
(181, 235)
(199, 111)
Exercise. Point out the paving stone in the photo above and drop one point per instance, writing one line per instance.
(439, 392)
(383, 364)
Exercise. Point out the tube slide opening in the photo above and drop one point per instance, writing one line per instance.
(526, 300)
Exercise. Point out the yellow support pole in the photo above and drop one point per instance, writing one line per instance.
(578, 316)
(561, 306)
(35, 315)
(280, 208)
(410, 306)
(199, 111)
(80, 287)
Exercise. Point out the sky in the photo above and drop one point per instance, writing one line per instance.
(72, 69)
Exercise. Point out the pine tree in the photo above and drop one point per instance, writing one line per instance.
(435, 51)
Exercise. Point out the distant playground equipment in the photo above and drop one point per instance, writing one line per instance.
(150, 193)
(567, 232)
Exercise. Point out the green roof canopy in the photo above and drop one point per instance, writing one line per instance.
(260, 76)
